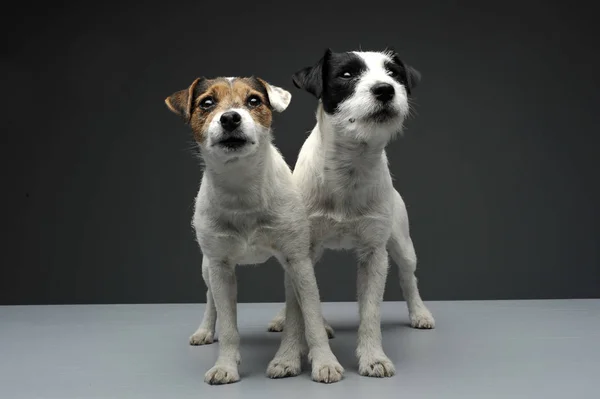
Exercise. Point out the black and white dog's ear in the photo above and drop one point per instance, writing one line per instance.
(311, 78)
(409, 76)
(181, 102)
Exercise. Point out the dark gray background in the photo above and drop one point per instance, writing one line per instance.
(499, 169)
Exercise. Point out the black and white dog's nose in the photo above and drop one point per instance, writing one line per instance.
(230, 120)
(384, 92)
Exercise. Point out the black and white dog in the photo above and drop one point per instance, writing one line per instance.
(342, 173)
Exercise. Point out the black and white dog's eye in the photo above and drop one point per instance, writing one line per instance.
(254, 101)
(207, 103)
(346, 75)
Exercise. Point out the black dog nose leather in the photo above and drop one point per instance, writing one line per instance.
(230, 120)
(384, 92)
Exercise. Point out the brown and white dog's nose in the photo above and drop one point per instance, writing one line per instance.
(384, 92)
(230, 120)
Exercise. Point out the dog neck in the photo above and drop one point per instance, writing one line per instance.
(240, 183)
(347, 158)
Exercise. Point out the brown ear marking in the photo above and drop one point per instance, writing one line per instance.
(182, 102)
(263, 82)
(267, 88)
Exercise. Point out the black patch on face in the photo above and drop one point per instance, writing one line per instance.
(408, 76)
(325, 79)
(395, 71)
(333, 79)
(340, 77)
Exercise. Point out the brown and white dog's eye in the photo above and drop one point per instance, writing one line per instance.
(207, 103)
(254, 101)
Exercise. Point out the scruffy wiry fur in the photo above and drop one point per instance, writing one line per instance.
(342, 173)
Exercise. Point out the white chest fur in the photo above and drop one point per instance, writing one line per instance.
(334, 232)
(242, 244)
(253, 249)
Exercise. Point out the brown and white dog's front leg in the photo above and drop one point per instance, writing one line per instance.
(303, 303)
(371, 277)
(288, 359)
(224, 290)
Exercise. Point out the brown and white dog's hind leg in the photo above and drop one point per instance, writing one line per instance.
(205, 334)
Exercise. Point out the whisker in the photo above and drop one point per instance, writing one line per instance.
(412, 108)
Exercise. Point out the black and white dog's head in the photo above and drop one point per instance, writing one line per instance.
(363, 94)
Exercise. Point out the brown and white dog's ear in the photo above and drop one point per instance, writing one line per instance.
(182, 102)
(278, 97)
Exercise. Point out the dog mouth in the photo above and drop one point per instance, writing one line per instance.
(382, 115)
(233, 142)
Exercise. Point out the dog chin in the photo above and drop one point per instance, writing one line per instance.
(382, 116)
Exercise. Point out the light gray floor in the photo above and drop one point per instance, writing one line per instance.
(499, 349)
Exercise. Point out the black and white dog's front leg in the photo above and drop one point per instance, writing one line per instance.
(223, 286)
(371, 277)
(304, 314)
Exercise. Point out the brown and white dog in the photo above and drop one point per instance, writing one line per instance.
(247, 211)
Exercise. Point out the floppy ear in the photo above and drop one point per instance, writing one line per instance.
(278, 97)
(409, 75)
(182, 101)
(311, 78)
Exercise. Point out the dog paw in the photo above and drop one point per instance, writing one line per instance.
(330, 332)
(281, 368)
(219, 375)
(379, 366)
(327, 371)
(422, 319)
(276, 325)
(202, 337)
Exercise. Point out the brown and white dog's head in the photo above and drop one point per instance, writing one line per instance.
(229, 117)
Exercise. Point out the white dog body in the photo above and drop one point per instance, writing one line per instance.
(342, 173)
(248, 210)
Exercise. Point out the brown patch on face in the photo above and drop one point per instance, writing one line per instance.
(244, 88)
(226, 95)
(201, 117)
(181, 102)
